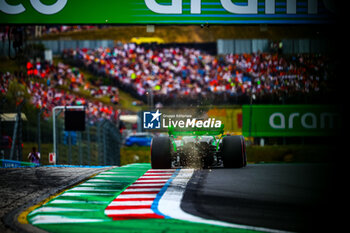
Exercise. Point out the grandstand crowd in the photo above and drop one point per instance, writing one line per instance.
(45, 84)
(186, 75)
(174, 76)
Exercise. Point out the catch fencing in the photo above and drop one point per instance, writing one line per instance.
(287, 46)
(222, 46)
(99, 144)
(58, 46)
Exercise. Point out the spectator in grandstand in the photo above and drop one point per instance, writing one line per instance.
(185, 73)
(43, 96)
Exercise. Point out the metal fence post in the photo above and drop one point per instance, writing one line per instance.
(80, 149)
(39, 132)
(69, 148)
(20, 124)
(117, 144)
(60, 131)
(88, 143)
(104, 146)
(99, 142)
(54, 133)
(14, 138)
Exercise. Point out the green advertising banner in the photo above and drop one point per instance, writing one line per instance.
(166, 11)
(290, 120)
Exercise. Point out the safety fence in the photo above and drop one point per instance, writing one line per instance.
(285, 46)
(58, 46)
(221, 46)
(99, 144)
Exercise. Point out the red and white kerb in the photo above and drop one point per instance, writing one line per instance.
(136, 200)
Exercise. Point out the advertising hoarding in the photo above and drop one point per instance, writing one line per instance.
(290, 120)
(166, 12)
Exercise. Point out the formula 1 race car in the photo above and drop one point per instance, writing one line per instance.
(198, 148)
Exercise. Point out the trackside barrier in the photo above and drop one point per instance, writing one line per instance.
(4, 163)
(75, 166)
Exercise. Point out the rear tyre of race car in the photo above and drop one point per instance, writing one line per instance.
(160, 153)
(233, 152)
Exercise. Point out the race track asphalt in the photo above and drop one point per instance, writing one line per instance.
(288, 197)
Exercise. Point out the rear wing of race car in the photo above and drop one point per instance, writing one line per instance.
(195, 131)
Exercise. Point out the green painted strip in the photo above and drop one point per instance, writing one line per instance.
(87, 201)
(140, 226)
(81, 209)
